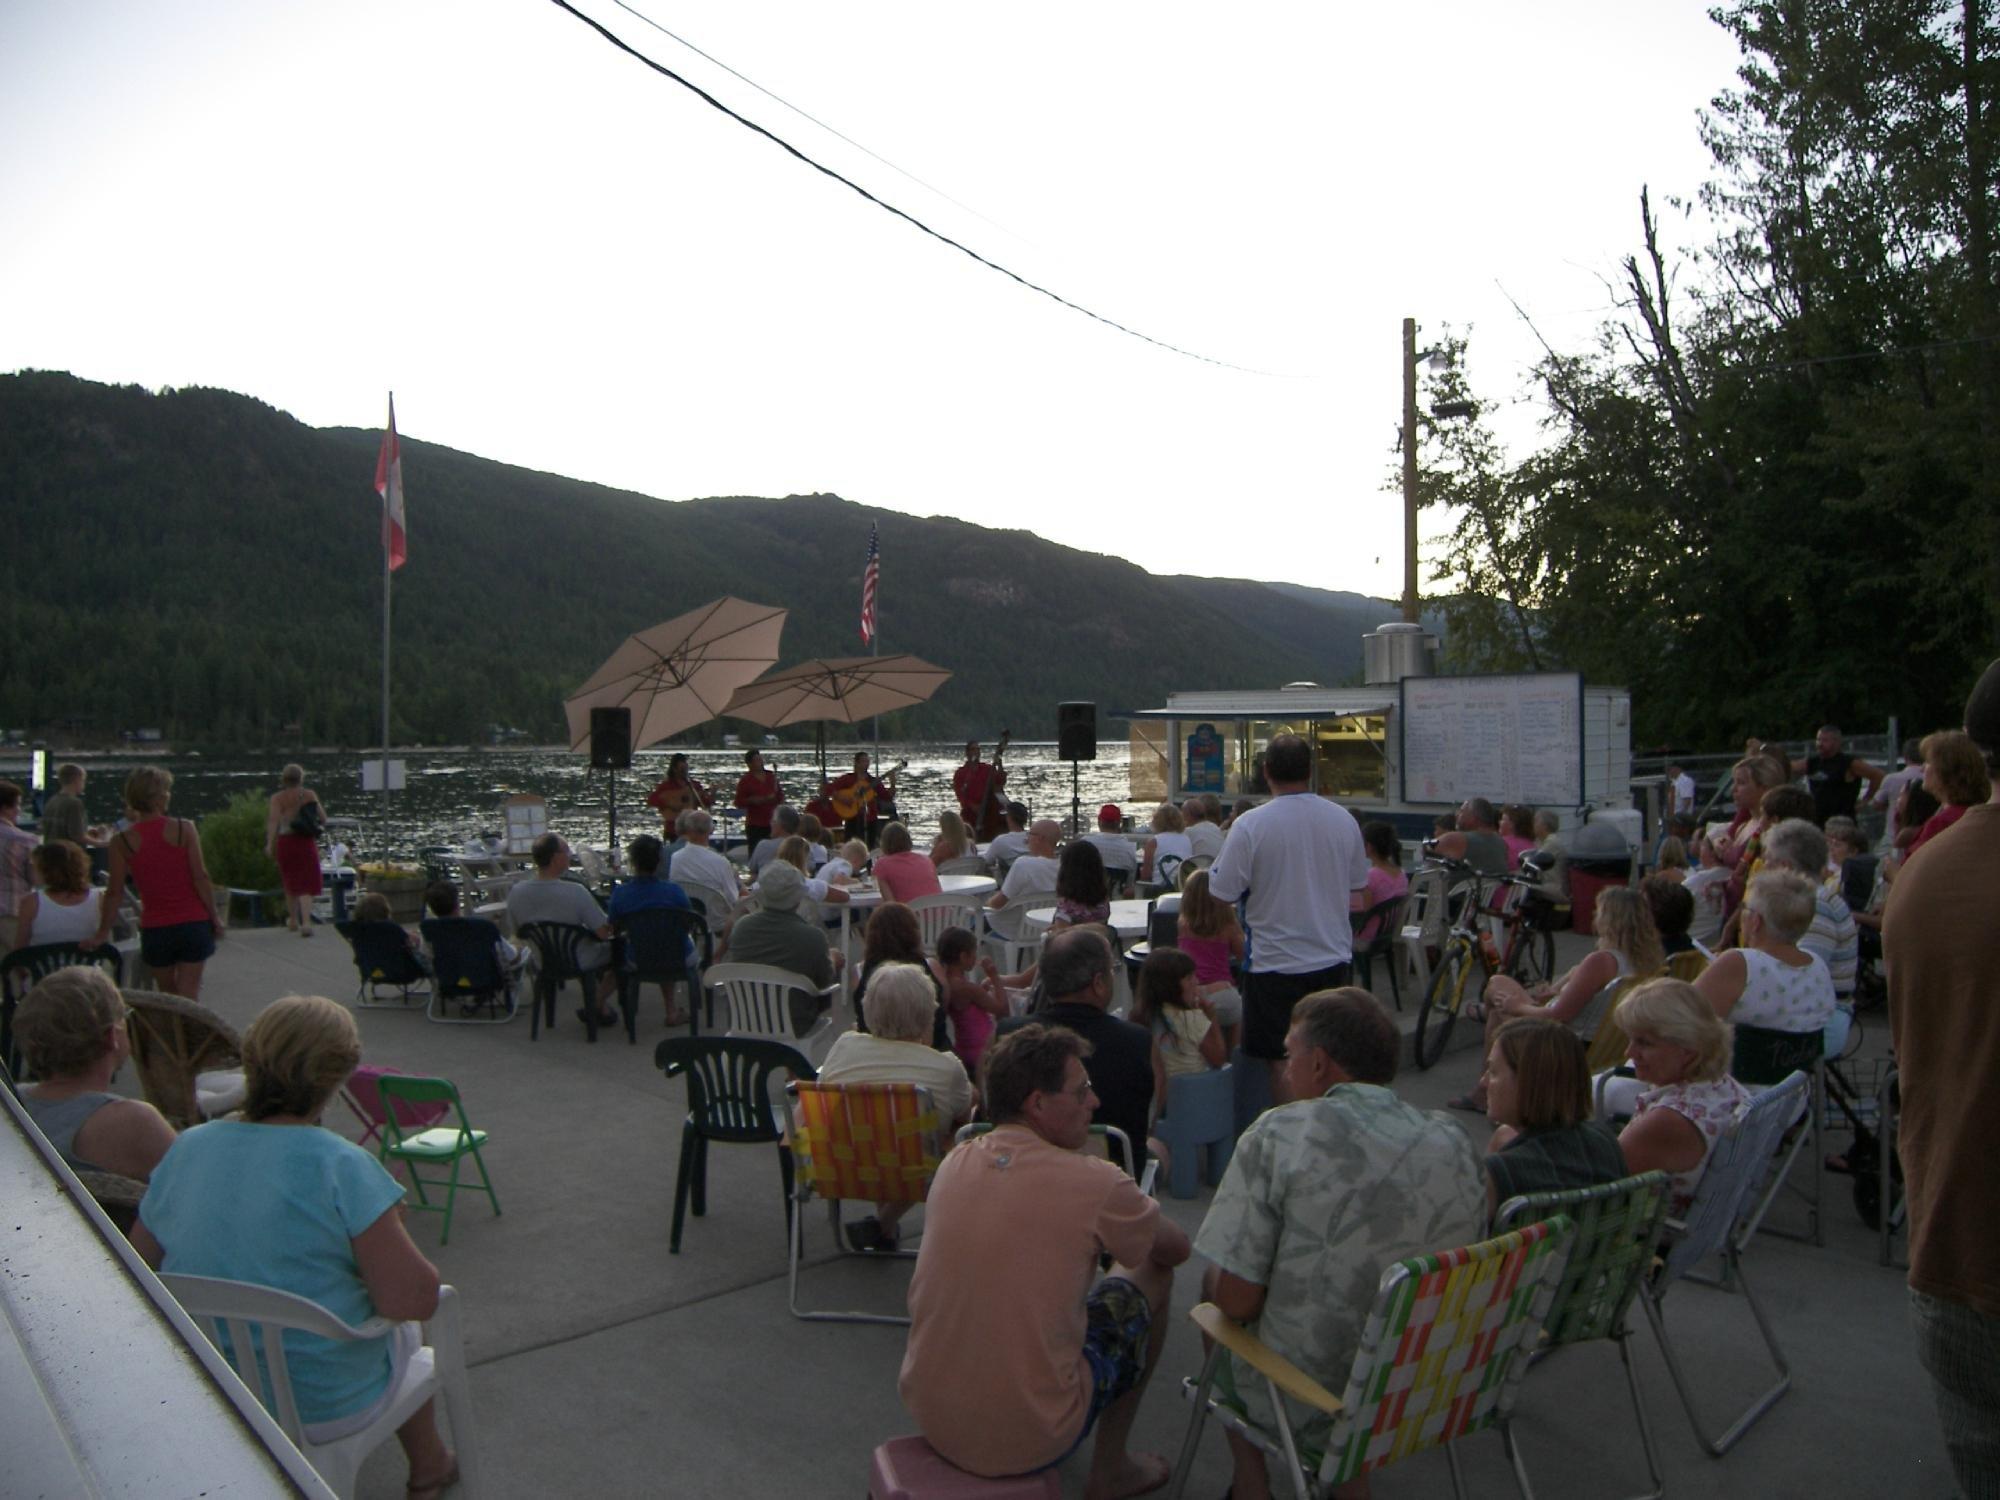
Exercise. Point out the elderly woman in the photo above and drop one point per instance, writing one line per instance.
(903, 873)
(1684, 1099)
(291, 837)
(1628, 944)
(901, 1010)
(1161, 855)
(65, 909)
(1538, 1098)
(1770, 982)
(274, 1200)
(1954, 773)
(179, 921)
(71, 1028)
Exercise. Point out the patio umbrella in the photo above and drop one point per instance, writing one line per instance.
(679, 674)
(841, 689)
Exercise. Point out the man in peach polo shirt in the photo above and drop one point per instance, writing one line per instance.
(1017, 1349)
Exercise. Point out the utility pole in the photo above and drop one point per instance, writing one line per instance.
(1410, 610)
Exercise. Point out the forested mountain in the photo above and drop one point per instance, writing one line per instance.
(200, 562)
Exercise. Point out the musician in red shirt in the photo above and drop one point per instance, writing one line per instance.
(758, 795)
(977, 787)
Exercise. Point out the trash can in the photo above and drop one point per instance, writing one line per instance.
(1599, 856)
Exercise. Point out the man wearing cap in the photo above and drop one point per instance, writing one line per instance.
(1121, 855)
(1938, 945)
(777, 935)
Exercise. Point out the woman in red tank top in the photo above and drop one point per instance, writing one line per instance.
(178, 923)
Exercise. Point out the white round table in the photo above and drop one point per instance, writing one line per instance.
(866, 894)
(1128, 920)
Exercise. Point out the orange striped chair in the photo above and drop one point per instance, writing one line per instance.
(1441, 1357)
(872, 1142)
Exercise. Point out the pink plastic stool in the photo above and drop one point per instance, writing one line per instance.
(908, 1468)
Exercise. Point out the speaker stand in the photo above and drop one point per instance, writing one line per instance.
(611, 788)
(1075, 799)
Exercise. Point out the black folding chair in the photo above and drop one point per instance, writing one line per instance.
(466, 967)
(382, 956)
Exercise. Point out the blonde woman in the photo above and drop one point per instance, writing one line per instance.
(1628, 944)
(951, 842)
(273, 1199)
(1685, 1098)
(179, 922)
(1161, 855)
(291, 837)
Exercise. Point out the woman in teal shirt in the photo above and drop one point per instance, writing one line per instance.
(275, 1200)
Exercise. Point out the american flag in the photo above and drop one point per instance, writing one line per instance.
(870, 575)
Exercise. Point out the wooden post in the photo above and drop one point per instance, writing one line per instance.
(1410, 610)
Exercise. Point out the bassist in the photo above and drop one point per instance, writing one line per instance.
(978, 786)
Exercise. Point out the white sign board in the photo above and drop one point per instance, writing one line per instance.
(371, 775)
(1504, 738)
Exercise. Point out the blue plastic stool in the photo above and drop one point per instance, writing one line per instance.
(1201, 1113)
(908, 1468)
(1253, 1087)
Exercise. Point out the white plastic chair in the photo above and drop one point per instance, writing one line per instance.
(1007, 938)
(759, 997)
(717, 908)
(945, 910)
(966, 864)
(254, 1319)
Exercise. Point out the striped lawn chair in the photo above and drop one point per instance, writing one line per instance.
(1618, 1229)
(1441, 1357)
(875, 1142)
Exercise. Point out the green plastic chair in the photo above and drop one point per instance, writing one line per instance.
(1441, 1357)
(439, 1145)
(1618, 1229)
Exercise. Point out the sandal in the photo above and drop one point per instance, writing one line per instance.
(435, 1487)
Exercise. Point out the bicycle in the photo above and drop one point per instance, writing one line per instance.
(1529, 957)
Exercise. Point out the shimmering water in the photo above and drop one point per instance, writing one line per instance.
(451, 796)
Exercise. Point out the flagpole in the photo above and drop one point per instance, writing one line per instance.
(384, 835)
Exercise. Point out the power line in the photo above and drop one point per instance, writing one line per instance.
(804, 115)
(786, 146)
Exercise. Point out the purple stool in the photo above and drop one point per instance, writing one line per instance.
(908, 1468)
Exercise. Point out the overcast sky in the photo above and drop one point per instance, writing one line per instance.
(558, 258)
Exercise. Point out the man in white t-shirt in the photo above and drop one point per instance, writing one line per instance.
(695, 861)
(1011, 845)
(1033, 874)
(1296, 862)
(1680, 790)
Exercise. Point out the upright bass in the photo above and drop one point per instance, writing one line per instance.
(979, 799)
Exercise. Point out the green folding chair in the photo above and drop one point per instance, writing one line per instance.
(436, 1146)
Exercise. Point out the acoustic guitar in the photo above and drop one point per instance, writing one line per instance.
(854, 799)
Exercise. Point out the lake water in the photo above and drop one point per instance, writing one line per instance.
(452, 795)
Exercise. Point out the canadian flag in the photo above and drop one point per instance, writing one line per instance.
(389, 485)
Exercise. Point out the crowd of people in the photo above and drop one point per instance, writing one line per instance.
(1025, 1346)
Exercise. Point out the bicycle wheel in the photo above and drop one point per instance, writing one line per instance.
(1533, 960)
(1441, 1002)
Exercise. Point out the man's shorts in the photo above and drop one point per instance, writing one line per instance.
(1118, 1318)
(1267, 1006)
(182, 943)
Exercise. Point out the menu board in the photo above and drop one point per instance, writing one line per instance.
(1504, 738)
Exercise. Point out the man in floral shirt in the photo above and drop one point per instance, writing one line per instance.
(1322, 1194)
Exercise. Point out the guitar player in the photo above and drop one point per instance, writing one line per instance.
(862, 801)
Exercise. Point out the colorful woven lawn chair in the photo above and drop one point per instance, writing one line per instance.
(1618, 1228)
(875, 1142)
(1441, 1357)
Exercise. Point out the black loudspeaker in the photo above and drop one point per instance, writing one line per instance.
(1076, 731)
(611, 739)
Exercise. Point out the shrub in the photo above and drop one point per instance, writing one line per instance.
(232, 845)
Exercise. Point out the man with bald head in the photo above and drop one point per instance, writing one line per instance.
(1033, 874)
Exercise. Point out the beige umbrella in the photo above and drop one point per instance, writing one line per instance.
(844, 689)
(679, 674)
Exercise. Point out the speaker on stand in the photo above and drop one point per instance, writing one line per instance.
(611, 752)
(1076, 741)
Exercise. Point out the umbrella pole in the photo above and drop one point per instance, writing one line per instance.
(611, 787)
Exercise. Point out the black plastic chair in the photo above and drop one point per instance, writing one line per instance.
(466, 967)
(24, 968)
(655, 952)
(558, 944)
(729, 1101)
(382, 956)
(1382, 945)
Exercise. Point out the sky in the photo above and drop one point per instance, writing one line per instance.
(558, 258)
